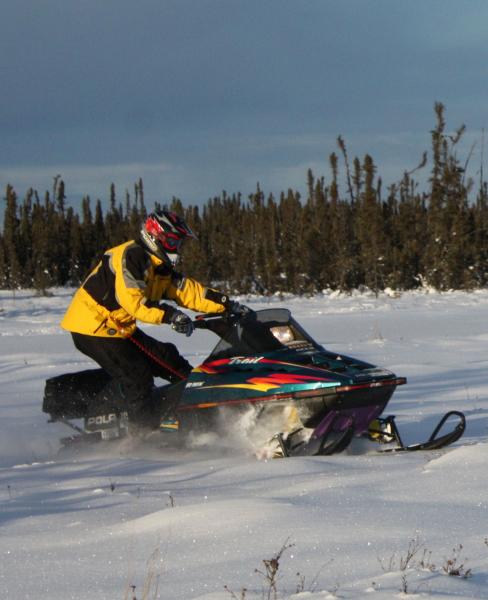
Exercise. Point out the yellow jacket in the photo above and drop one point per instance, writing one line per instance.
(128, 285)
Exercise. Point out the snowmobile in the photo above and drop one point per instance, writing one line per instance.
(305, 399)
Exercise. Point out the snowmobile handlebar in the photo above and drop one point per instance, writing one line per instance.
(203, 321)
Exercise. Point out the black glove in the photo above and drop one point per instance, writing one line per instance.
(182, 323)
(237, 309)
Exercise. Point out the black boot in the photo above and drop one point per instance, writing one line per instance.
(159, 406)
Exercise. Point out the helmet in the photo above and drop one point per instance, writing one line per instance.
(163, 235)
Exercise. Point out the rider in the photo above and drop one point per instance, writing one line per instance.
(127, 285)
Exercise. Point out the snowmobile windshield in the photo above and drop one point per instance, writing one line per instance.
(261, 331)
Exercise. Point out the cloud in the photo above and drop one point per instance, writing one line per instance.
(196, 96)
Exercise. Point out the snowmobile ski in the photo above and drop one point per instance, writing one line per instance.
(384, 430)
(388, 432)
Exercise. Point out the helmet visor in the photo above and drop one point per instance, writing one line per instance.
(171, 242)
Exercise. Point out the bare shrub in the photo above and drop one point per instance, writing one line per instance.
(454, 566)
(270, 573)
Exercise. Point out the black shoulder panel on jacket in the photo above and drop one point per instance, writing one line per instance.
(101, 285)
(136, 262)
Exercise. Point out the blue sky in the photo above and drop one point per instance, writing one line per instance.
(197, 96)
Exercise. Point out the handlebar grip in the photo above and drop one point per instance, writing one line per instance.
(201, 321)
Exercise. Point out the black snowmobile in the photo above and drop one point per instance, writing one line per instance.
(308, 400)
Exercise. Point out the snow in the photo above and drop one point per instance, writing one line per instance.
(197, 523)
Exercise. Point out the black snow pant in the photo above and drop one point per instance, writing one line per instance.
(131, 368)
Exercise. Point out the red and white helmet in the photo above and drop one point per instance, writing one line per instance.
(163, 235)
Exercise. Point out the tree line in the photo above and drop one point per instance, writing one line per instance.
(332, 238)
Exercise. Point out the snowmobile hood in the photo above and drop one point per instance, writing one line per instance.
(270, 357)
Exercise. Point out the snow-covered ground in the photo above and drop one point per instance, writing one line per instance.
(198, 524)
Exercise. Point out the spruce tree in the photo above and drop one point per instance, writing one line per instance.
(43, 267)
(291, 241)
(3, 264)
(447, 254)
(76, 270)
(13, 271)
(25, 238)
(369, 228)
(113, 220)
